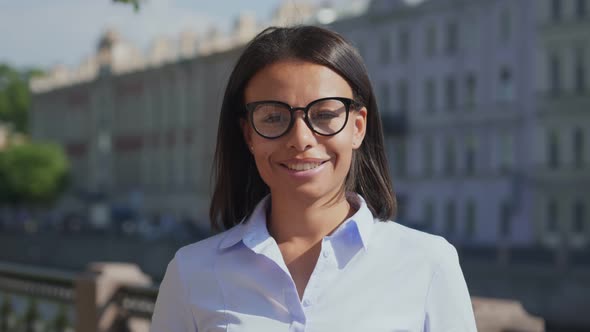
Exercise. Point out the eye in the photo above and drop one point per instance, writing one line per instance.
(273, 118)
(324, 115)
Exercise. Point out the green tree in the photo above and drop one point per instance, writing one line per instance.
(61, 321)
(32, 173)
(5, 312)
(135, 3)
(15, 99)
(31, 315)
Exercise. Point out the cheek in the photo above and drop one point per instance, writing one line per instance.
(342, 150)
(262, 157)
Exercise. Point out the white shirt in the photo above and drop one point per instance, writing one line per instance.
(370, 276)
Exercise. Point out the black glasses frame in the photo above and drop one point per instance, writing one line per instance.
(251, 107)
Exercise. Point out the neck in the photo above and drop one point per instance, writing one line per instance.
(293, 218)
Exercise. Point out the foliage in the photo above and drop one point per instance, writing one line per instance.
(15, 99)
(32, 173)
(135, 3)
(61, 322)
(5, 311)
(31, 315)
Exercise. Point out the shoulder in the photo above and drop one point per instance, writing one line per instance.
(202, 254)
(414, 243)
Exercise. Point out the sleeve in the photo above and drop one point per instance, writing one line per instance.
(171, 312)
(448, 304)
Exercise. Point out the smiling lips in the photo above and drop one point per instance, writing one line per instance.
(302, 165)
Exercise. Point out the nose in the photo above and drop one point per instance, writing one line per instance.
(300, 137)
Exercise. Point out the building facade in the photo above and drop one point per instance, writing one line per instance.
(484, 105)
(140, 129)
(562, 126)
(140, 138)
(460, 90)
(454, 83)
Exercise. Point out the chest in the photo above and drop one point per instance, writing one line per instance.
(255, 294)
(300, 264)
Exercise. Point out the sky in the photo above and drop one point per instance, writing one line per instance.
(44, 33)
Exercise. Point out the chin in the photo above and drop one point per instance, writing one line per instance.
(312, 192)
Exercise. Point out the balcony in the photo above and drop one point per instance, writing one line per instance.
(395, 123)
(564, 103)
(570, 28)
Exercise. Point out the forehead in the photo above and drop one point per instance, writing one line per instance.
(296, 83)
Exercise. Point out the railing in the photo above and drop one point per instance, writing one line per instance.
(29, 285)
(108, 297)
(137, 301)
(118, 297)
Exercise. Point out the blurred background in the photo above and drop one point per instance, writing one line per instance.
(108, 120)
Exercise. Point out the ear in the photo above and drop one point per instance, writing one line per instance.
(246, 132)
(360, 127)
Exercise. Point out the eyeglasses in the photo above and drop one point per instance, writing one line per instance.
(326, 116)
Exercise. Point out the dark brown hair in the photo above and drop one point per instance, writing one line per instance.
(238, 186)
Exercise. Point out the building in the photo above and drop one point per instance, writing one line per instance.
(140, 130)
(473, 140)
(483, 103)
(454, 81)
(562, 123)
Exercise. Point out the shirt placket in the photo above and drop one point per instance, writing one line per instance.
(318, 280)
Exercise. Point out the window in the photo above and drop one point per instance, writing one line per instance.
(505, 219)
(180, 170)
(449, 165)
(404, 45)
(555, 75)
(384, 95)
(385, 52)
(552, 216)
(470, 216)
(506, 86)
(470, 91)
(553, 150)
(452, 38)
(399, 157)
(402, 96)
(402, 204)
(580, 71)
(505, 25)
(556, 10)
(428, 155)
(470, 150)
(450, 93)
(506, 151)
(430, 94)
(579, 213)
(428, 220)
(578, 148)
(450, 218)
(581, 8)
(430, 41)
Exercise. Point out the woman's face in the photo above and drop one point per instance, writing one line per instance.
(302, 162)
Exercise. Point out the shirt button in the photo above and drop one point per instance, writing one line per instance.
(306, 303)
(326, 254)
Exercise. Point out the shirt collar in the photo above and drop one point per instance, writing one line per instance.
(361, 222)
(249, 229)
(253, 230)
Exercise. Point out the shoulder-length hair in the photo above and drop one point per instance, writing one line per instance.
(238, 186)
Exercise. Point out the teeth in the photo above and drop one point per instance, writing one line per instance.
(302, 166)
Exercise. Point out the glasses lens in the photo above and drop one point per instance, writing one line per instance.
(327, 116)
(271, 120)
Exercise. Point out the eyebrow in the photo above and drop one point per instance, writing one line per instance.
(294, 106)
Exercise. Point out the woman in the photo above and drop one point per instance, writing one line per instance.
(303, 191)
